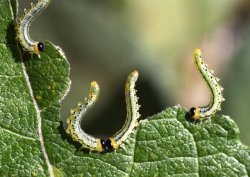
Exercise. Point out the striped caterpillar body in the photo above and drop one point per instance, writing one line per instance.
(133, 115)
(23, 26)
(74, 121)
(216, 99)
(95, 144)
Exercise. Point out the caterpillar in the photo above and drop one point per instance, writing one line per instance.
(23, 26)
(95, 144)
(216, 97)
(74, 121)
(132, 120)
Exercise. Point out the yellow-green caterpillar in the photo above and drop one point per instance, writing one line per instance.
(95, 144)
(215, 90)
(23, 26)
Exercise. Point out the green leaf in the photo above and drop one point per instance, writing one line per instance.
(33, 141)
(165, 144)
(28, 86)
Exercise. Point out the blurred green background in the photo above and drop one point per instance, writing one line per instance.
(105, 40)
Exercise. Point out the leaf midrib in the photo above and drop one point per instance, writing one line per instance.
(38, 112)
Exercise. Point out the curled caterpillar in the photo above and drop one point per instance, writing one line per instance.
(216, 97)
(74, 121)
(95, 144)
(132, 114)
(23, 26)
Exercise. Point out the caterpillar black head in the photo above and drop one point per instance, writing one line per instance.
(38, 48)
(194, 113)
(109, 144)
